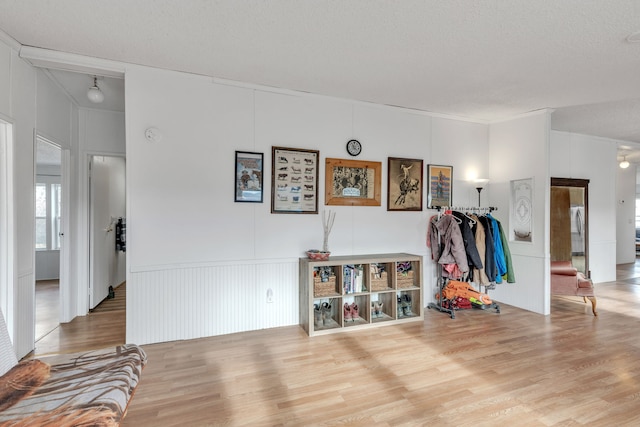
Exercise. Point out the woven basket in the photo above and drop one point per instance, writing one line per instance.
(405, 280)
(381, 283)
(323, 289)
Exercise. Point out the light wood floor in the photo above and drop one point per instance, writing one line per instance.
(47, 307)
(480, 369)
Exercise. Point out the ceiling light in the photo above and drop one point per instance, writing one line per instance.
(624, 163)
(94, 93)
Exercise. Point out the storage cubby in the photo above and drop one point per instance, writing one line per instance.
(380, 276)
(361, 302)
(326, 281)
(408, 304)
(385, 309)
(386, 288)
(407, 274)
(327, 314)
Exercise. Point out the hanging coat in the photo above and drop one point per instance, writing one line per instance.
(501, 264)
(450, 243)
(473, 257)
(479, 275)
(489, 257)
(510, 276)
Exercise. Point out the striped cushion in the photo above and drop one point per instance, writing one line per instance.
(90, 389)
(8, 357)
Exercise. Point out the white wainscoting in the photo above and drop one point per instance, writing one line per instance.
(186, 302)
(24, 339)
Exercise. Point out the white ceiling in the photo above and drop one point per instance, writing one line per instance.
(483, 60)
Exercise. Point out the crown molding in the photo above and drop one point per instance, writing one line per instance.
(10, 41)
(46, 58)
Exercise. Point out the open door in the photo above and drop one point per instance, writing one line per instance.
(570, 222)
(106, 208)
(52, 263)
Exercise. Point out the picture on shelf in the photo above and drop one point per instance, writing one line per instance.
(404, 189)
(248, 179)
(439, 185)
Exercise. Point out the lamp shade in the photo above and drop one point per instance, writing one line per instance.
(94, 93)
(624, 163)
(481, 182)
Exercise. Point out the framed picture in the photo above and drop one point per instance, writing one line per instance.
(404, 189)
(522, 209)
(352, 182)
(294, 180)
(248, 182)
(439, 185)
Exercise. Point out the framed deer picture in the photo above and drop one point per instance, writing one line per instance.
(404, 189)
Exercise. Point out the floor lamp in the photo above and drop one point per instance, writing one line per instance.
(480, 183)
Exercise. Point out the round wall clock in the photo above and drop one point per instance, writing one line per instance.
(354, 147)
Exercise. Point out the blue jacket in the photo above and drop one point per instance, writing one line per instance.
(501, 264)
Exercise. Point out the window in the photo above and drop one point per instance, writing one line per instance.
(48, 208)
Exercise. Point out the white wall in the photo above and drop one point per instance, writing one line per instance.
(99, 133)
(519, 149)
(196, 257)
(626, 215)
(22, 111)
(592, 158)
(31, 103)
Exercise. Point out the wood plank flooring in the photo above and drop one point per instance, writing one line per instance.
(47, 307)
(118, 302)
(480, 369)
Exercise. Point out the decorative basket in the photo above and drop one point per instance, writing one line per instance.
(323, 289)
(317, 255)
(379, 283)
(405, 280)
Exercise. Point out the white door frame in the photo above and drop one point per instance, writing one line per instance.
(7, 225)
(65, 227)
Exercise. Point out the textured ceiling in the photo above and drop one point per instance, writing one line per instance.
(482, 60)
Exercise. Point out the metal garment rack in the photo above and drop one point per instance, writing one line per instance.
(442, 281)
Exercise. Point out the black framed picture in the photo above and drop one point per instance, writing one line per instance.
(248, 179)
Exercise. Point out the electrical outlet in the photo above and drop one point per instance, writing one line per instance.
(269, 295)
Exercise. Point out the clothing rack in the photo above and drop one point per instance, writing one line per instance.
(442, 281)
(488, 209)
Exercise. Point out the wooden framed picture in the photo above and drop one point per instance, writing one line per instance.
(439, 185)
(404, 184)
(248, 180)
(294, 180)
(352, 182)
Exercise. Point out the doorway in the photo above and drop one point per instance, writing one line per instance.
(48, 235)
(570, 222)
(107, 227)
